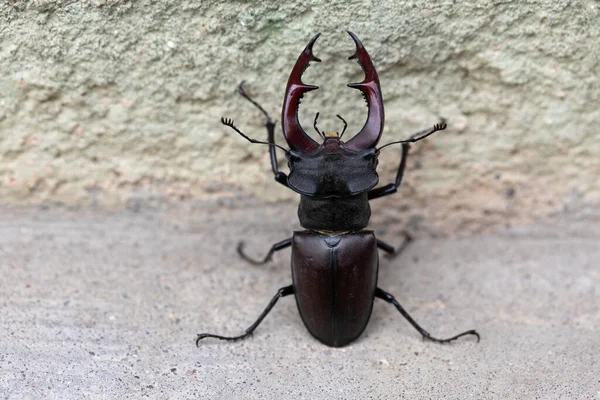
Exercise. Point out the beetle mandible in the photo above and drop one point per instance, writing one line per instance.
(334, 260)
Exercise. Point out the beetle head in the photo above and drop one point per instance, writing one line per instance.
(332, 170)
(334, 167)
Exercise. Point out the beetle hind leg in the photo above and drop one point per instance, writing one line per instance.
(284, 291)
(382, 294)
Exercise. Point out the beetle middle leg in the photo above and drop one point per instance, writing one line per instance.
(284, 291)
(280, 177)
(382, 294)
(276, 247)
(386, 191)
(392, 252)
(392, 188)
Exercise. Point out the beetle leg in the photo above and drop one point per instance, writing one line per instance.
(390, 299)
(270, 125)
(390, 250)
(276, 247)
(392, 188)
(284, 291)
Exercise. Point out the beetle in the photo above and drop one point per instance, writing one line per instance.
(334, 260)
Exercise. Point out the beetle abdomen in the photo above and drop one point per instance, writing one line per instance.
(334, 279)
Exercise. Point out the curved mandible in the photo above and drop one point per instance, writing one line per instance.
(295, 136)
(370, 134)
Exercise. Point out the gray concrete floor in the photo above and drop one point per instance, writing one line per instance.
(107, 305)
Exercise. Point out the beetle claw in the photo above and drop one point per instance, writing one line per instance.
(371, 132)
(292, 130)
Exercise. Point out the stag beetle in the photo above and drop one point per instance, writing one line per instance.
(335, 260)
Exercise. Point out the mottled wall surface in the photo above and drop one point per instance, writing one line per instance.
(105, 102)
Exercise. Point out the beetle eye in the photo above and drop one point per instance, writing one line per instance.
(370, 154)
(292, 157)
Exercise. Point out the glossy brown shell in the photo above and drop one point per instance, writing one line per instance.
(335, 277)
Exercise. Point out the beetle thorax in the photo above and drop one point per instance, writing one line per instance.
(334, 214)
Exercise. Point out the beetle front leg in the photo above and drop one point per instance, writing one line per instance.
(276, 247)
(392, 188)
(280, 177)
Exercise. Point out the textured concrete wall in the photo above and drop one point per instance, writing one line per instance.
(104, 102)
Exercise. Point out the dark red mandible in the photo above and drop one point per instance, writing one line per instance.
(368, 136)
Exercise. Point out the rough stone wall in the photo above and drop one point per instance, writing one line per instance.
(105, 102)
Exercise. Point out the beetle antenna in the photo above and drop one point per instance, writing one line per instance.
(229, 123)
(345, 125)
(315, 126)
(420, 135)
